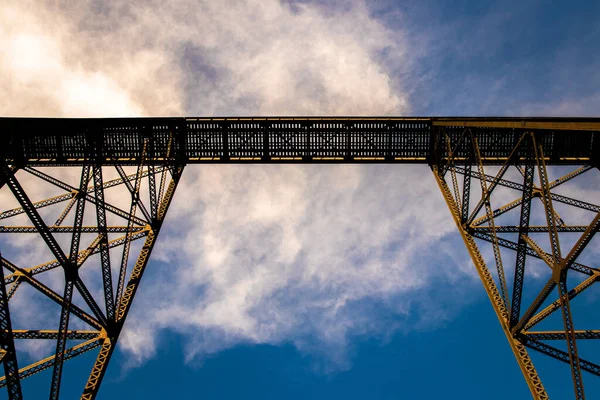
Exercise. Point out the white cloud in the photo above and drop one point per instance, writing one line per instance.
(313, 255)
(38, 80)
(205, 58)
(274, 256)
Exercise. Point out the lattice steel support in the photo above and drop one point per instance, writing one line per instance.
(124, 304)
(76, 254)
(486, 224)
(529, 372)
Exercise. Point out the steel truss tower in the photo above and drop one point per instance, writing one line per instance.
(97, 227)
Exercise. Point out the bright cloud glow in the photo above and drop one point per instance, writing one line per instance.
(314, 255)
(201, 58)
(273, 254)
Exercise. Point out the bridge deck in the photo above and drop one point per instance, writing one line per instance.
(44, 141)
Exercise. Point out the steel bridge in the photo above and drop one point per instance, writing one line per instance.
(473, 161)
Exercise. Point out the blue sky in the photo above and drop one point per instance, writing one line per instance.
(306, 281)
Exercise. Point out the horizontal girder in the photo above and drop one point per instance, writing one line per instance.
(44, 141)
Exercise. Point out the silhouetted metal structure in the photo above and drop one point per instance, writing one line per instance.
(458, 150)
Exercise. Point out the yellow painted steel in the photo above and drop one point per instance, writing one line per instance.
(520, 124)
(582, 239)
(47, 291)
(69, 229)
(140, 263)
(488, 209)
(125, 302)
(527, 368)
(540, 252)
(547, 200)
(82, 256)
(54, 331)
(99, 366)
(578, 332)
(540, 316)
(575, 228)
(50, 358)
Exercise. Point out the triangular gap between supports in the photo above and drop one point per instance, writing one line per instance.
(76, 371)
(538, 214)
(116, 254)
(581, 189)
(39, 189)
(542, 240)
(30, 309)
(135, 249)
(76, 323)
(585, 316)
(120, 196)
(515, 174)
(89, 218)
(508, 259)
(24, 250)
(568, 241)
(508, 218)
(57, 209)
(573, 216)
(54, 279)
(537, 274)
(591, 254)
(91, 275)
(557, 171)
(501, 195)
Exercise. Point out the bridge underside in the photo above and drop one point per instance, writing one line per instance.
(286, 140)
(516, 189)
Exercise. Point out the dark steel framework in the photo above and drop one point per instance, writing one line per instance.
(458, 151)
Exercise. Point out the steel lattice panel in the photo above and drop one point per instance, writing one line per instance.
(288, 139)
(197, 140)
